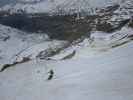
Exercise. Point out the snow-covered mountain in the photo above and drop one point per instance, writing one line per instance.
(66, 57)
(114, 21)
(108, 18)
(48, 6)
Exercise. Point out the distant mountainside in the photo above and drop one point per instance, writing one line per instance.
(68, 24)
(66, 6)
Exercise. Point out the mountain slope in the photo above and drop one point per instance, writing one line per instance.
(75, 24)
(106, 76)
(91, 58)
(16, 45)
(48, 6)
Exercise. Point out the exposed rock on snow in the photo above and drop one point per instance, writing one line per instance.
(22, 45)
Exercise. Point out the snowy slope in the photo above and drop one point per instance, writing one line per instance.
(104, 76)
(15, 44)
(98, 68)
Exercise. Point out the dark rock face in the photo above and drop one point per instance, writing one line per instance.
(58, 27)
(66, 27)
(108, 27)
(131, 23)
